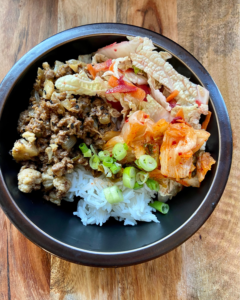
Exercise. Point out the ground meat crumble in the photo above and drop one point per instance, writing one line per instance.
(52, 128)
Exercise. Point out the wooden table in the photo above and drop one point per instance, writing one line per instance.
(207, 266)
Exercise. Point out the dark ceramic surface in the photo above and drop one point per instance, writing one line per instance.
(55, 229)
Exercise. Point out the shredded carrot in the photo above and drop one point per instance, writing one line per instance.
(138, 94)
(180, 114)
(172, 95)
(113, 81)
(91, 70)
(111, 67)
(206, 121)
(104, 66)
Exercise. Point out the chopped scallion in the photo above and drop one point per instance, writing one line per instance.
(142, 177)
(94, 162)
(129, 177)
(85, 150)
(115, 169)
(120, 151)
(147, 162)
(137, 186)
(113, 194)
(83, 147)
(136, 70)
(93, 150)
(108, 161)
(152, 184)
(160, 206)
(137, 163)
(88, 153)
(103, 154)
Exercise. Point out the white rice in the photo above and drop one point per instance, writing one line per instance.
(94, 208)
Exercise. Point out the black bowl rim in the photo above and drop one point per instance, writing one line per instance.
(186, 230)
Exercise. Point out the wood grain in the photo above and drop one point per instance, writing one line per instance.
(74, 13)
(210, 30)
(207, 265)
(24, 268)
(151, 280)
(159, 16)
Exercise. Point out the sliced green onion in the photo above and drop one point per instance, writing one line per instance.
(137, 163)
(108, 161)
(103, 154)
(142, 177)
(83, 147)
(113, 194)
(147, 162)
(129, 177)
(93, 150)
(119, 151)
(152, 184)
(107, 171)
(160, 206)
(115, 169)
(86, 152)
(137, 186)
(136, 70)
(94, 162)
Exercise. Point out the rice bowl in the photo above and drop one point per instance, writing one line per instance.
(55, 228)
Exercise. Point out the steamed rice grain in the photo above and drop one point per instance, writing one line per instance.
(94, 208)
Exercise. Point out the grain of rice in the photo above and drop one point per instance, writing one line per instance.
(94, 208)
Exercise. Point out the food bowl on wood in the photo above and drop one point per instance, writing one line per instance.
(55, 228)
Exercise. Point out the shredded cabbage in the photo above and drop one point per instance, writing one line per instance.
(168, 189)
(75, 85)
(85, 58)
(135, 44)
(157, 95)
(154, 109)
(135, 78)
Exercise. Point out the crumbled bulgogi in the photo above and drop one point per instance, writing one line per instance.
(52, 127)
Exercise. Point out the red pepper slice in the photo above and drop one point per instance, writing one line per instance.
(117, 105)
(121, 89)
(175, 120)
(172, 103)
(121, 81)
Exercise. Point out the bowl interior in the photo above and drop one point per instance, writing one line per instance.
(59, 222)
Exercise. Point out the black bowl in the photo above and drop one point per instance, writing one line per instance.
(54, 228)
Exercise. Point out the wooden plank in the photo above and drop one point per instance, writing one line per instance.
(4, 262)
(23, 25)
(206, 266)
(29, 268)
(24, 268)
(159, 279)
(210, 30)
(159, 16)
(74, 13)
